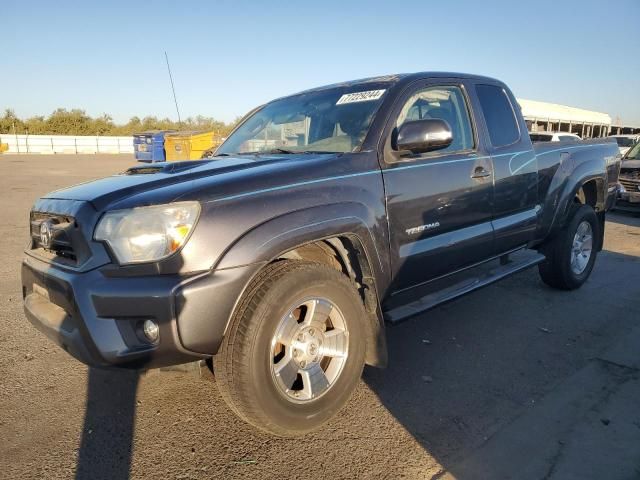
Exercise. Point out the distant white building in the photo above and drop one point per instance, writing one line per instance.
(552, 117)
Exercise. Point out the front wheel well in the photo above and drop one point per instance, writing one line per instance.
(346, 254)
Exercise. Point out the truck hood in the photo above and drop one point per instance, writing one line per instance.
(630, 163)
(143, 178)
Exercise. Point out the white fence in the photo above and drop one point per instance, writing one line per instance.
(50, 144)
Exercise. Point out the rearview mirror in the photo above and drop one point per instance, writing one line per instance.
(279, 119)
(420, 136)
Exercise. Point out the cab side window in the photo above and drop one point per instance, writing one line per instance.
(445, 103)
(499, 115)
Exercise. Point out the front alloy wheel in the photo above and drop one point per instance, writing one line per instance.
(309, 349)
(294, 350)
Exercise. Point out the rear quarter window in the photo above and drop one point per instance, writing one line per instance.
(499, 115)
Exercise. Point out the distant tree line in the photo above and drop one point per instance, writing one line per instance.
(77, 122)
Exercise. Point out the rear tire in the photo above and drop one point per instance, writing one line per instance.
(294, 351)
(571, 254)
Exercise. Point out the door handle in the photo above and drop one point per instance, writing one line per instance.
(481, 172)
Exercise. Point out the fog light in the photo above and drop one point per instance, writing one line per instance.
(150, 330)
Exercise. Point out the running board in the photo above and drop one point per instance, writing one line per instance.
(507, 267)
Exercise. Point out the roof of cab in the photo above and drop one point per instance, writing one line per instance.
(400, 78)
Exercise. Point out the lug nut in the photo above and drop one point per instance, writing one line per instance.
(296, 353)
(311, 332)
(303, 364)
(301, 337)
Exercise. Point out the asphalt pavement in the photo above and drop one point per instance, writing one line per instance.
(514, 381)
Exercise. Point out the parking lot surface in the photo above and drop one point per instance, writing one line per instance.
(513, 381)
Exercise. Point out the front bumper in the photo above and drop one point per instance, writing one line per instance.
(628, 201)
(97, 318)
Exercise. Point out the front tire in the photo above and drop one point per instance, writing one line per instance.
(571, 255)
(295, 348)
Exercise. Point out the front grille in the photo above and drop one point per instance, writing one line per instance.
(60, 233)
(630, 179)
(630, 185)
(630, 173)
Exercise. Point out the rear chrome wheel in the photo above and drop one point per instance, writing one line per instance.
(309, 349)
(571, 254)
(581, 248)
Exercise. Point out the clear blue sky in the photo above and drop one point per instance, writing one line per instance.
(229, 56)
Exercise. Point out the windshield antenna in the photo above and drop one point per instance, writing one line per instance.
(173, 88)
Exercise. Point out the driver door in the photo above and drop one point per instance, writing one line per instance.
(439, 203)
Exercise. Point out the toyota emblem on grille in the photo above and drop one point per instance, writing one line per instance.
(45, 234)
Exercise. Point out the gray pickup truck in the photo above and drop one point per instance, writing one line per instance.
(629, 188)
(324, 217)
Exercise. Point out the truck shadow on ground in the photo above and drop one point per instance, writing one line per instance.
(106, 444)
(462, 372)
(630, 219)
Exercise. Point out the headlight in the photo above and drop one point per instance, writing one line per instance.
(147, 234)
(149, 140)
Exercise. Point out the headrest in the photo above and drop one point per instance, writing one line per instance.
(442, 114)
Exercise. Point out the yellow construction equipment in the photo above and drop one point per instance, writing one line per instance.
(189, 145)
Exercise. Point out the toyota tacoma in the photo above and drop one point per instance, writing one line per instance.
(324, 217)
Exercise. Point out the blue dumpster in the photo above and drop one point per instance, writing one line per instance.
(149, 146)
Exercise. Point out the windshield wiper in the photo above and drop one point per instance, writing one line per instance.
(278, 150)
(282, 150)
(285, 151)
(235, 154)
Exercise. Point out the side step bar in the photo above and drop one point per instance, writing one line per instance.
(507, 267)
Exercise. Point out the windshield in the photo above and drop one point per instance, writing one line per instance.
(330, 120)
(634, 153)
(624, 141)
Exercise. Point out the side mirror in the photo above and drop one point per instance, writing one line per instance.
(420, 136)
